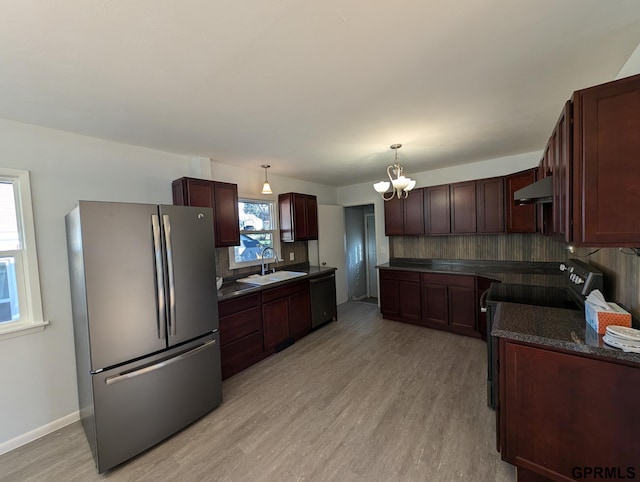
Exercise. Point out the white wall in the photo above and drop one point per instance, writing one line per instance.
(250, 182)
(38, 370)
(358, 194)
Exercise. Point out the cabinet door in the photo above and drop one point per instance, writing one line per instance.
(275, 322)
(559, 398)
(490, 205)
(606, 146)
(409, 297)
(435, 306)
(389, 297)
(299, 314)
(520, 219)
(462, 309)
(300, 226)
(463, 207)
(413, 213)
(438, 210)
(227, 224)
(312, 217)
(562, 175)
(394, 217)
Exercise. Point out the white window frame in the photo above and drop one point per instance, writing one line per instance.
(26, 260)
(275, 236)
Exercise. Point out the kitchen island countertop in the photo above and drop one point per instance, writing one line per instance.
(556, 328)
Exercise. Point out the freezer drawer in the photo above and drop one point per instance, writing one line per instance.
(138, 405)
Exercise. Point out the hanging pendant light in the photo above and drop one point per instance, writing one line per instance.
(400, 184)
(266, 187)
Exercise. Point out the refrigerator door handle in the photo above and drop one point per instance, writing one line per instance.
(172, 292)
(150, 368)
(157, 252)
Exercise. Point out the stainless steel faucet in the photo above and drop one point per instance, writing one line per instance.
(265, 265)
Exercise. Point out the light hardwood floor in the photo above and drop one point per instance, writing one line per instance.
(362, 399)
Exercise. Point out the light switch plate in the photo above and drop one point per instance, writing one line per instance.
(291, 256)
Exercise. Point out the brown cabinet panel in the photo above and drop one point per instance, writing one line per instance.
(490, 205)
(227, 224)
(462, 309)
(606, 146)
(463, 207)
(221, 196)
(552, 402)
(393, 217)
(520, 219)
(298, 217)
(413, 213)
(241, 324)
(300, 315)
(435, 308)
(400, 295)
(240, 354)
(275, 322)
(438, 210)
(562, 176)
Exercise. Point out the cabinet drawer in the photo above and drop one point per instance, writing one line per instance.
(240, 354)
(282, 291)
(448, 279)
(399, 275)
(229, 307)
(238, 325)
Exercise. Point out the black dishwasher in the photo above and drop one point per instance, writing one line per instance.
(323, 300)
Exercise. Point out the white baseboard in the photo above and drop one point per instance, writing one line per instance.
(38, 432)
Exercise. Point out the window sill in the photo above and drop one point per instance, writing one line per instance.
(21, 329)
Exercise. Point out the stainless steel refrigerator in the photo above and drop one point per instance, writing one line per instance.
(145, 317)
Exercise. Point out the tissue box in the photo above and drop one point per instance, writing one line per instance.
(599, 318)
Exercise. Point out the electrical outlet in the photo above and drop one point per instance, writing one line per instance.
(291, 257)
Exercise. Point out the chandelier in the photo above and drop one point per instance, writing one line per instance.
(400, 185)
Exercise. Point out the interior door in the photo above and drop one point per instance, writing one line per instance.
(372, 274)
(191, 272)
(331, 248)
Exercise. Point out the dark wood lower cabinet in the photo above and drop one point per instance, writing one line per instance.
(240, 321)
(446, 302)
(400, 295)
(449, 302)
(254, 326)
(286, 313)
(561, 413)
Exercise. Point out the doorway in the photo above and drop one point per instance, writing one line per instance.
(360, 234)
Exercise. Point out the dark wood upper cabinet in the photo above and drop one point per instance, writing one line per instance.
(413, 213)
(438, 210)
(606, 144)
(463, 207)
(393, 217)
(405, 216)
(562, 175)
(520, 219)
(298, 217)
(221, 196)
(490, 205)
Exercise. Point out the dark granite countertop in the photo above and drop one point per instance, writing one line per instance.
(499, 270)
(232, 289)
(555, 328)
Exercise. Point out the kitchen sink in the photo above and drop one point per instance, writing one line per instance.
(271, 277)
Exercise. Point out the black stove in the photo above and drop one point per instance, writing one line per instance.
(580, 278)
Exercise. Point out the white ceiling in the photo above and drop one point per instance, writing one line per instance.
(317, 89)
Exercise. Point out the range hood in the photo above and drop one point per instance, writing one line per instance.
(539, 192)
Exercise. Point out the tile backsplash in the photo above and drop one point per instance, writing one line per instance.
(502, 247)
